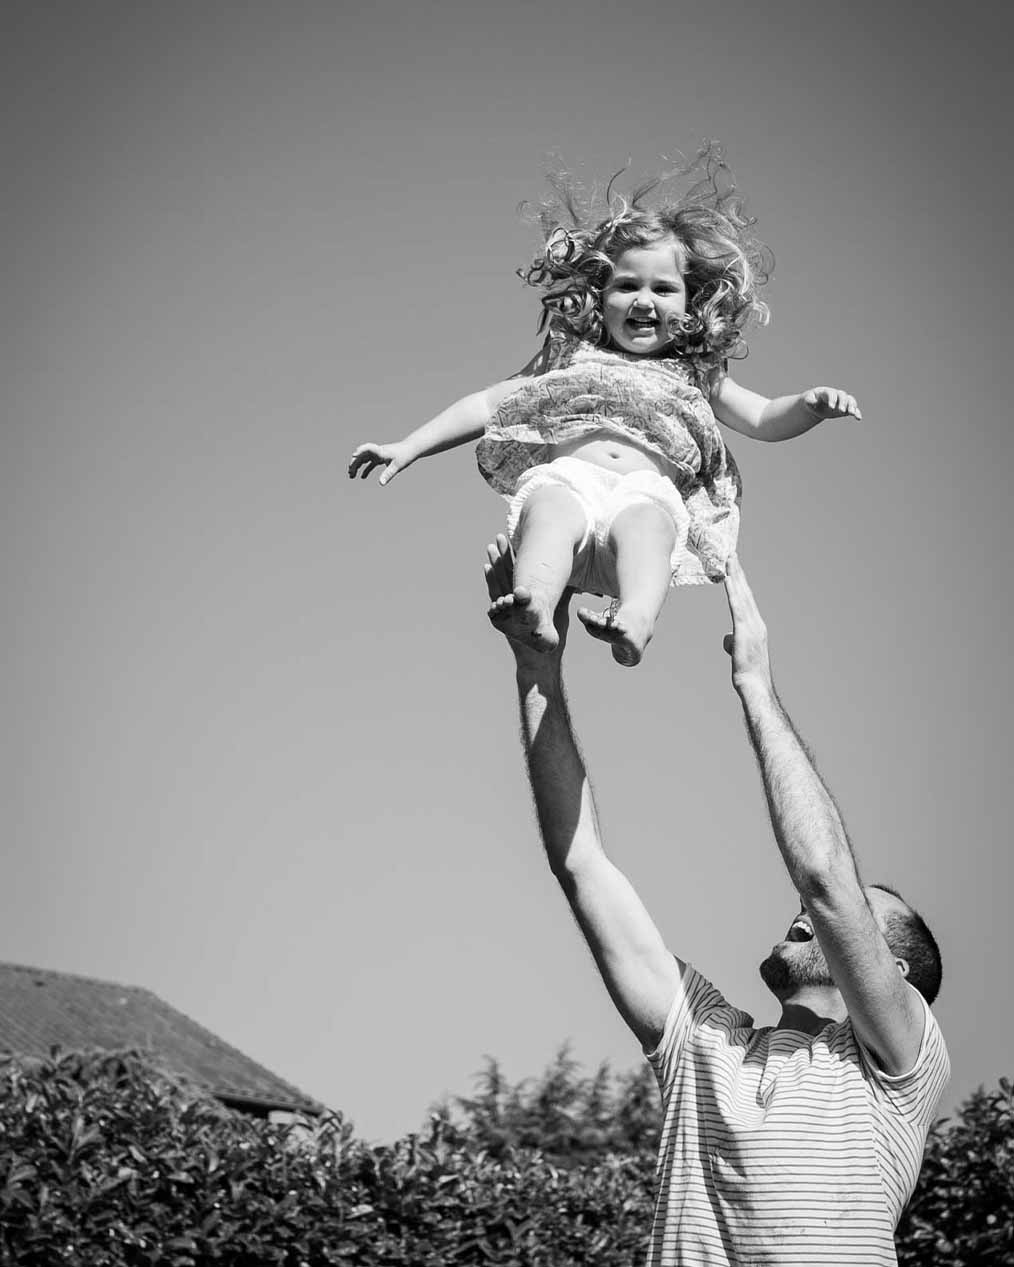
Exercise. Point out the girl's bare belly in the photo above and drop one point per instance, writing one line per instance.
(603, 448)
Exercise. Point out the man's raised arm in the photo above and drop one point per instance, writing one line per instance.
(641, 975)
(884, 1010)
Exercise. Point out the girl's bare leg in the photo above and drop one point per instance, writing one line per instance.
(642, 537)
(551, 527)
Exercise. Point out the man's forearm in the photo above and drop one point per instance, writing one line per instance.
(563, 797)
(806, 821)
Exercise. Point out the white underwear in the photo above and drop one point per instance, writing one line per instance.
(602, 494)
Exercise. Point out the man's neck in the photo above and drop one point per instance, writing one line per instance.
(811, 1008)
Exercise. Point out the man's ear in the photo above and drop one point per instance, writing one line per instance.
(902, 967)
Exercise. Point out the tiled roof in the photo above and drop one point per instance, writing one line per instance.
(41, 1009)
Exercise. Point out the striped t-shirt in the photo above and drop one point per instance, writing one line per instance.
(780, 1147)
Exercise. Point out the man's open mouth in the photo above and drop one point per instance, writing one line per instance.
(799, 932)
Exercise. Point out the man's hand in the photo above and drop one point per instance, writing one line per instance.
(395, 457)
(831, 402)
(748, 642)
(499, 572)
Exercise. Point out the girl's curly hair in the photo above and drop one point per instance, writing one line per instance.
(723, 265)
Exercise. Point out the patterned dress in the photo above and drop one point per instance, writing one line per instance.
(653, 402)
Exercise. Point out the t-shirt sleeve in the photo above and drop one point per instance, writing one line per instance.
(915, 1095)
(696, 1001)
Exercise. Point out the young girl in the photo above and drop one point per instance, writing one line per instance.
(605, 445)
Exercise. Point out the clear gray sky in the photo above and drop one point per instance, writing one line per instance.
(262, 752)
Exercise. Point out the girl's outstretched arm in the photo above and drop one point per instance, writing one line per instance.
(782, 418)
(465, 420)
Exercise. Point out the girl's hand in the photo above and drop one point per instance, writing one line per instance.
(396, 457)
(831, 402)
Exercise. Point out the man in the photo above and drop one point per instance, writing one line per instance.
(797, 1144)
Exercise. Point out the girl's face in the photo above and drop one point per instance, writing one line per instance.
(644, 293)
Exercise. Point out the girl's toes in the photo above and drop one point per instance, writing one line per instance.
(626, 654)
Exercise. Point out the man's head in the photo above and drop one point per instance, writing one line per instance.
(798, 960)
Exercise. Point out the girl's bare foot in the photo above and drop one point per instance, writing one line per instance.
(627, 631)
(524, 617)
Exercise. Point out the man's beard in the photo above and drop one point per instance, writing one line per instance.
(781, 974)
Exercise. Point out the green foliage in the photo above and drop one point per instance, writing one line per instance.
(108, 1161)
(572, 1120)
(962, 1212)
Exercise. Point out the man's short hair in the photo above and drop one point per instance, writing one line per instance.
(909, 938)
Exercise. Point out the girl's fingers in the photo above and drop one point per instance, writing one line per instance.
(363, 460)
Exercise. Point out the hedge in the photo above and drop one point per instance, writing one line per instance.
(109, 1160)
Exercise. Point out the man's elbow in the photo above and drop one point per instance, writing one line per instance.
(571, 867)
(825, 875)
(567, 871)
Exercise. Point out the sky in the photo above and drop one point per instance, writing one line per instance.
(263, 754)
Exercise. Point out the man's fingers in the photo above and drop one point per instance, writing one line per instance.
(499, 570)
(737, 590)
(499, 551)
(734, 583)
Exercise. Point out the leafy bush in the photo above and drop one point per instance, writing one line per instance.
(107, 1160)
(572, 1120)
(962, 1212)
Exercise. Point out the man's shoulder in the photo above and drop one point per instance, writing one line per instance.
(702, 1025)
(707, 1005)
(922, 1084)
